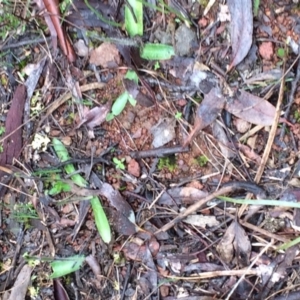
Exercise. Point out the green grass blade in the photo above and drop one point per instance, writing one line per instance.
(100, 217)
(289, 244)
(101, 220)
(261, 202)
(63, 155)
(268, 203)
(134, 24)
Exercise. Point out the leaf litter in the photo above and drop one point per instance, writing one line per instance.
(141, 199)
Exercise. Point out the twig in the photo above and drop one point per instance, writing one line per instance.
(249, 268)
(267, 151)
(255, 228)
(213, 274)
(291, 98)
(196, 206)
(159, 152)
(57, 103)
(25, 43)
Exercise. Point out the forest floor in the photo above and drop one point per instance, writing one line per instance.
(138, 171)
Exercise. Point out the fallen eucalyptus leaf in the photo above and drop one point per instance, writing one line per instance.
(241, 29)
(95, 117)
(207, 112)
(251, 108)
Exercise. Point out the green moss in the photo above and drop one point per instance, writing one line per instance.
(203, 3)
(297, 116)
(10, 24)
(201, 160)
(168, 163)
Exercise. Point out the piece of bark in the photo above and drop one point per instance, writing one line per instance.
(12, 144)
(18, 291)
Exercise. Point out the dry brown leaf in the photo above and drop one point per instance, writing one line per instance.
(92, 261)
(95, 117)
(251, 108)
(59, 291)
(221, 137)
(181, 195)
(163, 132)
(241, 29)
(12, 146)
(19, 289)
(250, 153)
(142, 253)
(207, 112)
(117, 201)
(235, 238)
(225, 247)
(242, 245)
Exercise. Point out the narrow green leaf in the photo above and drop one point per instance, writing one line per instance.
(101, 220)
(261, 202)
(119, 104)
(157, 51)
(62, 267)
(134, 24)
(63, 155)
(289, 244)
(60, 150)
(100, 217)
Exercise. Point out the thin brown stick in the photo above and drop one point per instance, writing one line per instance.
(215, 274)
(65, 97)
(255, 228)
(271, 138)
(196, 206)
(249, 268)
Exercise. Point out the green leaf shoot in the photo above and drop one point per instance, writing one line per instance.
(63, 155)
(119, 163)
(134, 18)
(62, 267)
(101, 220)
(157, 51)
(120, 104)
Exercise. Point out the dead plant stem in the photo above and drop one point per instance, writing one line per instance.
(267, 151)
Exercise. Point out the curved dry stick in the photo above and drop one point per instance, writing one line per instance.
(221, 192)
(52, 7)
